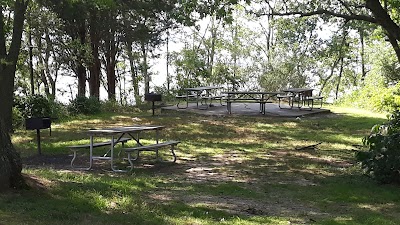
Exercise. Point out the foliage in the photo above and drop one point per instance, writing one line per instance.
(33, 106)
(114, 106)
(84, 105)
(36, 106)
(382, 160)
(59, 110)
(17, 117)
(377, 91)
(167, 96)
(371, 95)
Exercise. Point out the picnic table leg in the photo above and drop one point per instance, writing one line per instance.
(130, 161)
(112, 157)
(157, 135)
(112, 153)
(173, 153)
(187, 99)
(262, 108)
(91, 152)
(197, 99)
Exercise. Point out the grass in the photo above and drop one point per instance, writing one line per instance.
(230, 170)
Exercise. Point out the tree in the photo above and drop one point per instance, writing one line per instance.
(383, 14)
(74, 14)
(10, 162)
(43, 29)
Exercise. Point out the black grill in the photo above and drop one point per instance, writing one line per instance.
(152, 97)
(38, 123)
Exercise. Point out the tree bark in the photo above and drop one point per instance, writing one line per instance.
(212, 51)
(111, 51)
(8, 61)
(81, 70)
(363, 71)
(10, 161)
(386, 22)
(95, 68)
(144, 69)
(134, 73)
(339, 78)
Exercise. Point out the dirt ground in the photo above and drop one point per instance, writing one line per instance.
(208, 171)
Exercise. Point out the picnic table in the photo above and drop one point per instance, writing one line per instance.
(303, 97)
(261, 97)
(199, 95)
(121, 135)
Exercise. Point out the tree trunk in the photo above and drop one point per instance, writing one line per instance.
(168, 76)
(41, 65)
(8, 61)
(95, 67)
(52, 80)
(339, 78)
(134, 74)
(110, 67)
(10, 161)
(235, 58)
(212, 51)
(144, 70)
(363, 71)
(81, 70)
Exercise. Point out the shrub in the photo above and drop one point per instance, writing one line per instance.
(371, 95)
(84, 105)
(39, 106)
(17, 118)
(382, 160)
(33, 106)
(111, 106)
(59, 110)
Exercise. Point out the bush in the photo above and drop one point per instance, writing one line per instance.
(17, 118)
(382, 160)
(33, 106)
(59, 110)
(375, 95)
(84, 105)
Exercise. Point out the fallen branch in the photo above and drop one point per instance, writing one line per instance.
(309, 147)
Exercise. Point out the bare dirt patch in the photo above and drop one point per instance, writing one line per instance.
(250, 171)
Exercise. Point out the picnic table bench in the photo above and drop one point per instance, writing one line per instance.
(152, 147)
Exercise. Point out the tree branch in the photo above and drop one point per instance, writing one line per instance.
(324, 12)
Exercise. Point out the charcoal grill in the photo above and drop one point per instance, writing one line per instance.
(152, 97)
(38, 123)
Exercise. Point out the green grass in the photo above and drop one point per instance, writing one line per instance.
(230, 170)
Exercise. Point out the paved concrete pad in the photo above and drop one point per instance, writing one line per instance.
(251, 109)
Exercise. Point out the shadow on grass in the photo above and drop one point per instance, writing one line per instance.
(229, 170)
